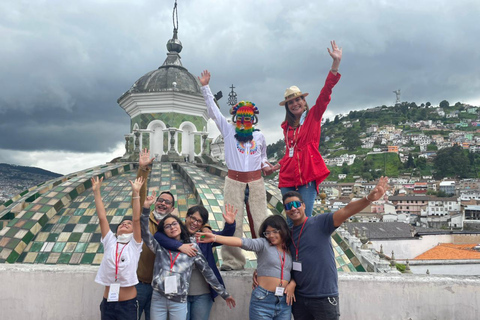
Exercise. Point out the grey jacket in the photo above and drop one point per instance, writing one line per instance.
(182, 267)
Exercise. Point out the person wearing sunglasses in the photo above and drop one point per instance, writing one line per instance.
(273, 296)
(117, 271)
(302, 168)
(200, 295)
(164, 204)
(173, 269)
(246, 158)
(314, 268)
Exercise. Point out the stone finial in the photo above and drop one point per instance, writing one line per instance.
(381, 254)
(364, 240)
(392, 261)
(428, 271)
(407, 267)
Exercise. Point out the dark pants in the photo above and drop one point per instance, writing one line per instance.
(316, 308)
(144, 297)
(120, 310)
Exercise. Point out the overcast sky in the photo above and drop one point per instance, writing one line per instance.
(64, 64)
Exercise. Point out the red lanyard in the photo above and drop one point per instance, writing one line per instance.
(298, 241)
(282, 264)
(294, 136)
(172, 260)
(117, 260)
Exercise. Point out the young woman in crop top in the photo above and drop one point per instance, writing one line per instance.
(273, 297)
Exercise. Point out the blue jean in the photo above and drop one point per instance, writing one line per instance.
(120, 310)
(144, 297)
(199, 307)
(265, 304)
(316, 308)
(308, 192)
(163, 308)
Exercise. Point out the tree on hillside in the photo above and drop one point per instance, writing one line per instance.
(336, 120)
(451, 162)
(352, 141)
(410, 163)
(444, 104)
(428, 104)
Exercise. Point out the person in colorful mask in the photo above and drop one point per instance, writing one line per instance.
(118, 268)
(246, 157)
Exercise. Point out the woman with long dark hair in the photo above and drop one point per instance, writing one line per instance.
(173, 269)
(273, 296)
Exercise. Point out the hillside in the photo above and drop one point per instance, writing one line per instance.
(15, 179)
(414, 132)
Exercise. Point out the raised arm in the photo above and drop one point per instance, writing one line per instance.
(212, 109)
(356, 206)
(144, 162)
(211, 237)
(333, 77)
(147, 237)
(230, 224)
(336, 54)
(102, 215)
(136, 186)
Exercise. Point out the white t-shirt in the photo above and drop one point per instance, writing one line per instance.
(127, 263)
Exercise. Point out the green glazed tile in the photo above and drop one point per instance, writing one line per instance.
(74, 237)
(87, 258)
(58, 247)
(13, 257)
(52, 237)
(81, 246)
(42, 257)
(36, 246)
(64, 258)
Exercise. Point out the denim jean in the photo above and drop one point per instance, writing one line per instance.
(120, 310)
(199, 307)
(163, 308)
(316, 308)
(265, 304)
(308, 192)
(144, 297)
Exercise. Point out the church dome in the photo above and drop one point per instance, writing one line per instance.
(171, 76)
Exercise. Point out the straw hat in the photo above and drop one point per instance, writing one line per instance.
(292, 93)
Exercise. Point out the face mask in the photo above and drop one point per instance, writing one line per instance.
(158, 216)
(124, 238)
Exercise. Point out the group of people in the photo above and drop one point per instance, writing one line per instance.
(177, 277)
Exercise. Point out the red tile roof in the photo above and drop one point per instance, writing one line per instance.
(448, 251)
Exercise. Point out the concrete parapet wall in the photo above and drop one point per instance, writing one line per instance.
(69, 292)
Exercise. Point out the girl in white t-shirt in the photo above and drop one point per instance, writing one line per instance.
(118, 270)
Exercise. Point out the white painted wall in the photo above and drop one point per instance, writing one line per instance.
(69, 292)
(410, 248)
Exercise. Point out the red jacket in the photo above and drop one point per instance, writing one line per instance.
(307, 164)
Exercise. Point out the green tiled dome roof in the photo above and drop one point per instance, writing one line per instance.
(56, 222)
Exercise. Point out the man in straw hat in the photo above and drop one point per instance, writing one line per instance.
(246, 157)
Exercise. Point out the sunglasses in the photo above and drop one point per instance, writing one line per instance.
(167, 202)
(169, 226)
(292, 204)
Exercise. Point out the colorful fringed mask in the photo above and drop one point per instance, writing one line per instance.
(244, 117)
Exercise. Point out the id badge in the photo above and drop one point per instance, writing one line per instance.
(114, 292)
(290, 152)
(279, 291)
(171, 284)
(297, 266)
